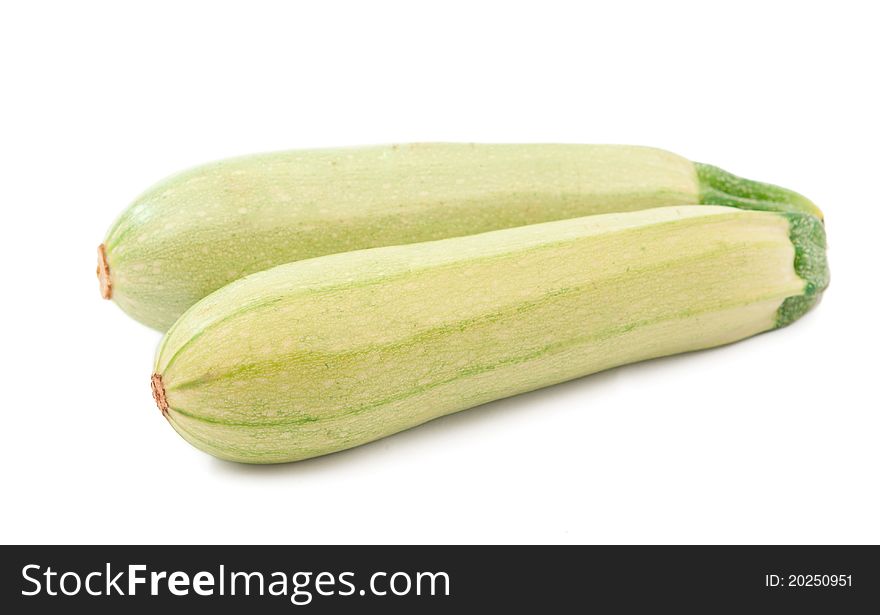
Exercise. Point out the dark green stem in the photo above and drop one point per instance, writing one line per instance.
(718, 187)
(807, 234)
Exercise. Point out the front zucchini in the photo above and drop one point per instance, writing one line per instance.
(329, 353)
(197, 231)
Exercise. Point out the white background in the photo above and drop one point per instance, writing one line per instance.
(773, 440)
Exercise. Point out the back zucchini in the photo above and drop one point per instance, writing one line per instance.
(197, 231)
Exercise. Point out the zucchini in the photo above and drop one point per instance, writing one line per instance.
(196, 232)
(328, 353)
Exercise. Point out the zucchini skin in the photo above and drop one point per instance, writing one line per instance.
(325, 354)
(197, 231)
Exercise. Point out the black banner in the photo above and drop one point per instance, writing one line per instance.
(437, 579)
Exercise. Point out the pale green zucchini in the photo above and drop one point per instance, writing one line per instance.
(197, 231)
(329, 353)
